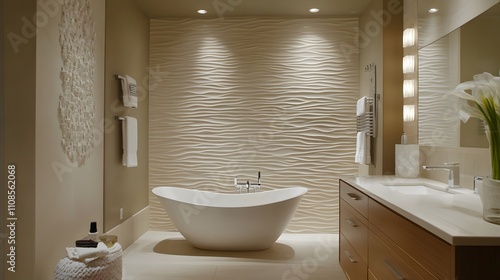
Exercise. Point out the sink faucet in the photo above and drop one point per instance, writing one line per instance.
(453, 172)
(247, 186)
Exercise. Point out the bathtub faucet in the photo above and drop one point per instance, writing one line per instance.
(247, 187)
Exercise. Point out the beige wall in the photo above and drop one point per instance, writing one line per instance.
(56, 200)
(370, 51)
(381, 43)
(239, 96)
(68, 197)
(20, 103)
(127, 53)
(392, 84)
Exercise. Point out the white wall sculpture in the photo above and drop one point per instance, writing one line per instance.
(76, 102)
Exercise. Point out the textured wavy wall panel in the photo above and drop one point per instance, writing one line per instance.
(438, 124)
(234, 97)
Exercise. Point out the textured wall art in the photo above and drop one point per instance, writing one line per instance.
(76, 102)
(234, 97)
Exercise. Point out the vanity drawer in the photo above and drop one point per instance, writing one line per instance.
(414, 243)
(351, 262)
(355, 198)
(386, 264)
(354, 227)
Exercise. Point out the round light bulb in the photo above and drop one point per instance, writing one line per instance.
(314, 10)
(202, 12)
(433, 10)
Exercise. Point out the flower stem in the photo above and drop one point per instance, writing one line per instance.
(492, 118)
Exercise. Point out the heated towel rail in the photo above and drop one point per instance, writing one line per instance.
(368, 121)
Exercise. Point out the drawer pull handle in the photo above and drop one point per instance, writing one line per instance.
(394, 271)
(351, 258)
(353, 224)
(353, 196)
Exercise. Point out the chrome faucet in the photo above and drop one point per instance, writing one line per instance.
(247, 186)
(453, 172)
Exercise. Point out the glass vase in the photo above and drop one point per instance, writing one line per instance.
(489, 191)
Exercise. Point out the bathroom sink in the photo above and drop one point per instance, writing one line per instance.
(417, 189)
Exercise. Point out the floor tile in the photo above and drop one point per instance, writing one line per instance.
(167, 255)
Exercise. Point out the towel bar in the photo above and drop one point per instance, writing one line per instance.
(119, 118)
(366, 122)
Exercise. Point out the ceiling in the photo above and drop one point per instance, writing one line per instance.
(237, 8)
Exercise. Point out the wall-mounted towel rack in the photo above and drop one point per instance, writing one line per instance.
(366, 122)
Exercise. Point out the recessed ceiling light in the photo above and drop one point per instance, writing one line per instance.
(314, 10)
(433, 10)
(202, 12)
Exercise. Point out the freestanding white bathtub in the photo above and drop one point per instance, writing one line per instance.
(230, 222)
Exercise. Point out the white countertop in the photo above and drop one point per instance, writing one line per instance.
(454, 216)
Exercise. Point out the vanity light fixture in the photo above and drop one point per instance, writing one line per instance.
(433, 10)
(408, 88)
(408, 113)
(408, 37)
(408, 64)
(314, 10)
(202, 12)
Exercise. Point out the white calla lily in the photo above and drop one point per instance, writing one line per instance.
(481, 99)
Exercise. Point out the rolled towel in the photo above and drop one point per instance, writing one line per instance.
(87, 254)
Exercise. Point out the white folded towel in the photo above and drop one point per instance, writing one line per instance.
(361, 106)
(87, 254)
(129, 130)
(363, 148)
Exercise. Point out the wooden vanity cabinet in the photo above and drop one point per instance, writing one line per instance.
(377, 243)
(353, 253)
(399, 249)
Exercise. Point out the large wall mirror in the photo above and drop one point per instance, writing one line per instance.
(467, 49)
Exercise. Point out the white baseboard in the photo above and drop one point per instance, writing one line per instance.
(132, 228)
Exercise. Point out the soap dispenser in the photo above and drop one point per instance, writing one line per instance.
(404, 139)
(92, 239)
(93, 232)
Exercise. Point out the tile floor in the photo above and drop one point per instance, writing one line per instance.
(166, 255)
